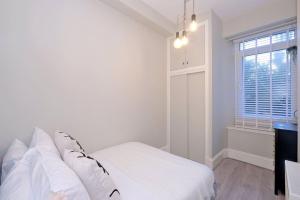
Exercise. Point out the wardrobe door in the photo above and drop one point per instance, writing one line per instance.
(195, 50)
(178, 116)
(178, 57)
(196, 116)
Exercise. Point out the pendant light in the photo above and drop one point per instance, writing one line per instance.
(177, 42)
(193, 24)
(184, 38)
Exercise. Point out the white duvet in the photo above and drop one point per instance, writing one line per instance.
(142, 172)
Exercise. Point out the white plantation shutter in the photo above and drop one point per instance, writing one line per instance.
(266, 79)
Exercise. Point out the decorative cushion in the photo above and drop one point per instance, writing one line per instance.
(94, 176)
(14, 154)
(65, 141)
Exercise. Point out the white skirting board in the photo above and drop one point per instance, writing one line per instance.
(259, 161)
(253, 159)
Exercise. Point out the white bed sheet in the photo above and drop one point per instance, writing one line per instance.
(142, 172)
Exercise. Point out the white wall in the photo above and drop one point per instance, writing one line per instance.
(145, 14)
(82, 67)
(222, 85)
(268, 14)
(260, 143)
(256, 144)
(251, 146)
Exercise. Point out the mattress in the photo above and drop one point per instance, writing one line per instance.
(142, 172)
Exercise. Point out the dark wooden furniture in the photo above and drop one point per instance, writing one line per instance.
(286, 145)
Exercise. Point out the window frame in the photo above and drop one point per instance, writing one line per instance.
(259, 121)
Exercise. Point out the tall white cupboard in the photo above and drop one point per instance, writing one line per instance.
(188, 77)
(200, 105)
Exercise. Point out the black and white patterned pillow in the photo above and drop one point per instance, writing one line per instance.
(94, 176)
(65, 141)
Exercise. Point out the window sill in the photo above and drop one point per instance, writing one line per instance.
(252, 130)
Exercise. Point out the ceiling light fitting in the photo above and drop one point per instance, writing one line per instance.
(183, 40)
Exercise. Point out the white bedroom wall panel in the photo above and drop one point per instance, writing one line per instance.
(179, 116)
(251, 141)
(269, 14)
(223, 81)
(82, 67)
(145, 14)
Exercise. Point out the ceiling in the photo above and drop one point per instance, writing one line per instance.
(225, 9)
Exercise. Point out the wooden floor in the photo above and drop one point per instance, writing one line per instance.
(236, 180)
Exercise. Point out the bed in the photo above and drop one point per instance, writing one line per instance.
(142, 172)
(132, 171)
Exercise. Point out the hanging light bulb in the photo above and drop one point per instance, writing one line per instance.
(184, 39)
(193, 24)
(177, 41)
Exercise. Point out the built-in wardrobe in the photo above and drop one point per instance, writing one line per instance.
(190, 78)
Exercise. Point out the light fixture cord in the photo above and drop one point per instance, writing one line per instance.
(184, 14)
(178, 26)
(193, 6)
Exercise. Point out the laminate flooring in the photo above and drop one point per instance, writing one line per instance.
(237, 180)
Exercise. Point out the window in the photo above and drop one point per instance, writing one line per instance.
(266, 79)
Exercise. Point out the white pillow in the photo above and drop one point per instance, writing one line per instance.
(94, 176)
(39, 175)
(59, 177)
(42, 140)
(65, 141)
(17, 184)
(14, 154)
